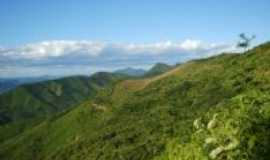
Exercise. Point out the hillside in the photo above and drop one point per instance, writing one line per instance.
(157, 69)
(47, 97)
(213, 108)
(32, 102)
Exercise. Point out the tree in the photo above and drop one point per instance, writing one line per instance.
(245, 41)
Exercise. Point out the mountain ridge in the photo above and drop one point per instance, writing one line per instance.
(164, 117)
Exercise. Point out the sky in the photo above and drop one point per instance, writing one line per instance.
(66, 37)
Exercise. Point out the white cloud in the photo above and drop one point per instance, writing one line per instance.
(51, 49)
(55, 49)
(191, 44)
(162, 47)
(77, 57)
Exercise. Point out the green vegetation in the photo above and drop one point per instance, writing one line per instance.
(40, 99)
(214, 108)
(236, 129)
(157, 69)
(27, 105)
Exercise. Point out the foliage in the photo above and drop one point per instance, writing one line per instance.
(32, 102)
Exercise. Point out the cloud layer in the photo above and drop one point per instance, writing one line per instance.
(48, 49)
(67, 55)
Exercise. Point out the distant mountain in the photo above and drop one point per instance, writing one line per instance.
(10, 83)
(131, 71)
(7, 84)
(157, 69)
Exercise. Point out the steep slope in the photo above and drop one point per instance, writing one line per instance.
(214, 108)
(27, 105)
(47, 97)
(126, 88)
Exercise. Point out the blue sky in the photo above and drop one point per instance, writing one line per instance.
(56, 30)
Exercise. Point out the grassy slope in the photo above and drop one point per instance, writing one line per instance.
(47, 97)
(40, 100)
(155, 119)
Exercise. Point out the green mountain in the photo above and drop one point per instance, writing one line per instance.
(213, 108)
(31, 103)
(40, 99)
(157, 69)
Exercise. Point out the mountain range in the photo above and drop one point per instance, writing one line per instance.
(131, 71)
(212, 108)
(156, 69)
